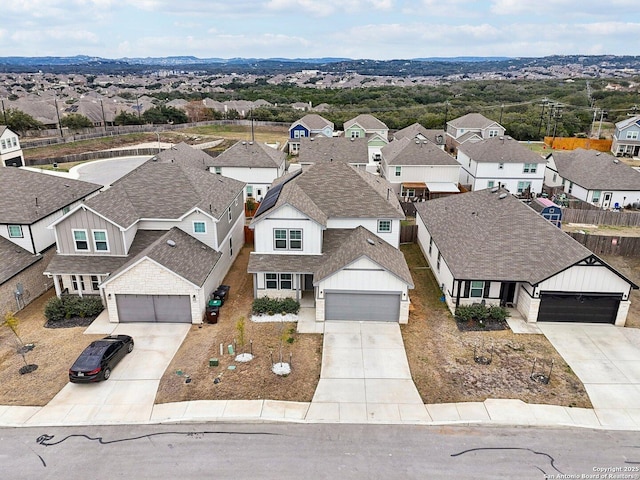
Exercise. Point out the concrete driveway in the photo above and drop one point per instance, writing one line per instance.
(105, 172)
(365, 376)
(607, 361)
(128, 396)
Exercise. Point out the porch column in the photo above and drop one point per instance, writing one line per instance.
(298, 288)
(79, 284)
(56, 285)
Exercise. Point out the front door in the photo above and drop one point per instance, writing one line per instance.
(308, 282)
(606, 199)
(507, 293)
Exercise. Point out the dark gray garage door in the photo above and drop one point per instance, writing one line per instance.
(556, 307)
(154, 308)
(379, 307)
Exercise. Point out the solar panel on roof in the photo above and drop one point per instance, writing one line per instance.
(273, 194)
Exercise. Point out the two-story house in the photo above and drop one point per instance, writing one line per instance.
(418, 169)
(470, 128)
(10, 151)
(254, 163)
(369, 127)
(154, 245)
(416, 131)
(594, 177)
(311, 125)
(353, 151)
(330, 233)
(501, 161)
(626, 138)
(29, 202)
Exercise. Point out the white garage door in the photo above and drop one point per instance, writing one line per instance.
(154, 308)
(377, 307)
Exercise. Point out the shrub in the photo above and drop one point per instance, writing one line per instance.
(480, 312)
(498, 313)
(69, 306)
(269, 305)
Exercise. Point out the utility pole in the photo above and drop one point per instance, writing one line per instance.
(544, 104)
(557, 115)
(252, 134)
(4, 113)
(593, 122)
(602, 114)
(55, 100)
(501, 110)
(446, 112)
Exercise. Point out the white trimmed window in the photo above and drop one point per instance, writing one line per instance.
(15, 231)
(501, 166)
(398, 171)
(530, 168)
(430, 245)
(295, 239)
(280, 239)
(271, 280)
(249, 190)
(493, 133)
(633, 135)
(522, 186)
(80, 240)
(384, 226)
(286, 281)
(100, 242)
(491, 183)
(279, 281)
(229, 214)
(477, 289)
(355, 133)
(596, 196)
(438, 261)
(95, 282)
(199, 227)
(217, 170)
(284, 239)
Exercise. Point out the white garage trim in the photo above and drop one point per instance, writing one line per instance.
(362, 306)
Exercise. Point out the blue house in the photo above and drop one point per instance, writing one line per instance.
(626, 138)
(548, 210)
(308, 126)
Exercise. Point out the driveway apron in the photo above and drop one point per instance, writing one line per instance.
(129, 394)
(607, 361)
(365, 376)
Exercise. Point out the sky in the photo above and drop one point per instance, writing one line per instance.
(371, 29)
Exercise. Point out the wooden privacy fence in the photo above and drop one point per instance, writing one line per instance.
(601, 217)
(408, 233)
(571, 143)
(609, 245)
(83, 157)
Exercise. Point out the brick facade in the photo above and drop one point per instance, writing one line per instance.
(33, 280)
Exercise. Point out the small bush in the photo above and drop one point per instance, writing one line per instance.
(481, 313)
(498, 313)
(269, 305)
(69, 306)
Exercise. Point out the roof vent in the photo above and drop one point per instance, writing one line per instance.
(615, 160)
(417, 142)
(370, 242)
(171, 243)
(597, 154)
(502, 196)
(495, 189)
(244, 143)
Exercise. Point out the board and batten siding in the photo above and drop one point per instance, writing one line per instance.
(86, 220)
(224, 226)
(588, 279)
(371, 224)
(423, 173)
(287, 217)
(364, 275)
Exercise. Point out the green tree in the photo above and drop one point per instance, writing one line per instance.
(124, 118)
(20, 121)
(164, 114)
(75, 121)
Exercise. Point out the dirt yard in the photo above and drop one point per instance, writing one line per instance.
(442, 363)
(630, 268)
(252, 380)
(54, 352)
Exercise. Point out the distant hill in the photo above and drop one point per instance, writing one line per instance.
(431, 66)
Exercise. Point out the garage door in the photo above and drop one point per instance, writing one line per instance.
(379, 306)
(154, 308)
(578, 308)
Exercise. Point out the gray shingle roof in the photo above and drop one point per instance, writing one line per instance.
(472, 120)
(483, 237)
(341, 149)
(627, 122)
(249, 154)
(500, 150)
(596, 171)
(406, 151)
(366, 121)
(313, 121)
(14, 259)
(27, 196)
(186, 155)
(341, 247)
(165, 190)
(415, 130)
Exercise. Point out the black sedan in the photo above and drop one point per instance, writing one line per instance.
(99, 358)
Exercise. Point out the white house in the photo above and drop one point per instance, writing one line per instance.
(330, 233)
(501, 161)
(369, 127)
(419, 169)
(254, 163)
(353, 151)
(594, 177)
(626, 138)
(154, 245)
(471, 128)
(489, 246)
(416, 131)
(10, 151)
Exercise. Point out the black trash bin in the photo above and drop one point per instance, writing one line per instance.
(212, 314)
(221, 293)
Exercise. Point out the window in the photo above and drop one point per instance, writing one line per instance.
(384, 226)
(295, 239)
(249, 191)
(555, 176)
(199, 227)
(438, 261)
(570, 187)
(355, 133)
(493, 133)
(80, 239)
(95, 281)
(530, 168)
(231, 247)
(286, 281)
(299, 134)
(430, 244)
(398, 171)
(217, 170)
(596, 196)
(15, 231)
(501, 166)
(229, 214)
(3, 144)
(408, 192)
(74, 280)
(271, 280)
(522, 186)
(100, 240)
(632, 135)
(280, 237)
(65, 210)
(491, 183)
(477, 289)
